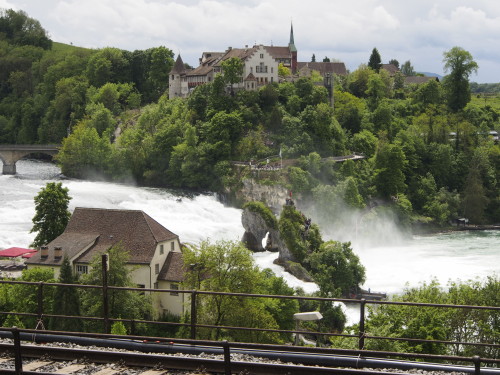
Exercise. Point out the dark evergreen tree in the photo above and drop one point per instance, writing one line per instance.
(313, 58)
(66, 301)
(394, 62)
(52, 215)
(375, 61)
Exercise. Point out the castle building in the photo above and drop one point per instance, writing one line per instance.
(260, 67)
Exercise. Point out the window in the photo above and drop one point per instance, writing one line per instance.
(157, 268)
(155, 285)
(251, 69)
(172, 246)
(161, 249)
(174, 287)
(272, 69)
(172, 77)
(272, 79)
(81, 269)
(261, 55)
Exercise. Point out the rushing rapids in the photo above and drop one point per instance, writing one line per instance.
(196, 217)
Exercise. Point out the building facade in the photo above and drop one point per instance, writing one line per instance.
(155, 257)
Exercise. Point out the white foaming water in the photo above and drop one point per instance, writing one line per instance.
(460, 255)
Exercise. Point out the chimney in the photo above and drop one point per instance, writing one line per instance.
(44, 252)
(58, 252)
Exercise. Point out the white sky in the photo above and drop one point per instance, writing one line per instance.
(415, 30)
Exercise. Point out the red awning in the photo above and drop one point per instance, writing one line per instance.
(16, 252)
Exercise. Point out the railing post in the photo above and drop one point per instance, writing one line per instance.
(227, 358)
(361, 342)
(105, 306)
(193, 315)
(477, 364)
(40, 301)
(17, 351)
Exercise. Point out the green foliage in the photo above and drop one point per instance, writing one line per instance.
(84, 154)
(460, 64)
(19, 29)
(52, 215)
(375, 61)
(122, 303)
(336, 269)
(264, 211)
(431, 323)
(298, 240)
(118, 328)
(226, 266)
(25, 297)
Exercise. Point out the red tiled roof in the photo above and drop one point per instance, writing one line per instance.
(13, 252)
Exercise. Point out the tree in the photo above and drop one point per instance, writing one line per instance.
(407, 69)
(326, 59)
(52, 215)
(19, 29)
(389, 163)
(66, 301)
(394, 62)
(375, 61)
(313, 58)
(460, 64)
(233, 70)
(226, 266)
(124, 304)
(336, 269)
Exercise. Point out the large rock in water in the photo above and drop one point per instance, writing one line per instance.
(256, 230)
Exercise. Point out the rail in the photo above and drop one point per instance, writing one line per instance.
(193, 326)
(173, 353)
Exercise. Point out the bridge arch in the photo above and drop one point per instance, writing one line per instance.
(10, 154)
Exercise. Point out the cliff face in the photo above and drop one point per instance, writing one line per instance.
(273, 195)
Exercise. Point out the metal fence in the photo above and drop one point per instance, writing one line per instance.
(192, 326)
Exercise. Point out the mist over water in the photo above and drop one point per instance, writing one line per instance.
(391, 258)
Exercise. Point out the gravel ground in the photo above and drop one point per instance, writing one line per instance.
(93, 368)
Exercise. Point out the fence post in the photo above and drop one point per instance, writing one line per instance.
(477, 364)
(17, 351)
(193, 314)
(40, 301)
(361, 342)
(105, 307)
(227, 358)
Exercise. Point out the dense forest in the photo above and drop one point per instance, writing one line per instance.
(429, 157)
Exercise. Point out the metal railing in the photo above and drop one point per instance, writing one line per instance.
(193, 326)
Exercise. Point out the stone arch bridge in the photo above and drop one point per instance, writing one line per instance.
(10, 154)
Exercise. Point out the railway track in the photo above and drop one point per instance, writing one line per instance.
(43, 359)
(41, 353)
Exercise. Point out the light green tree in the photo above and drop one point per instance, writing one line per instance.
(233, 70)
(226, 266)
(52, 215)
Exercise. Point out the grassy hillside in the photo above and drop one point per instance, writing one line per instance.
(64, 48)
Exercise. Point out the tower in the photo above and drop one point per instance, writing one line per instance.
(293, 50)
(175, 78)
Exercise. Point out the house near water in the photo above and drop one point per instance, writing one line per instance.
(155, 257)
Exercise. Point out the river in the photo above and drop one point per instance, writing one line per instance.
(196, 217)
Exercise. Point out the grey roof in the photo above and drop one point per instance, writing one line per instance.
(173, 268)
(324, 67)
(391, 68)
(178, 66)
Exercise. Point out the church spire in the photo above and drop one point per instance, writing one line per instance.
(291, 44)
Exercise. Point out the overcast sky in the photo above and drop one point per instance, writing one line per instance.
(415, 30)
